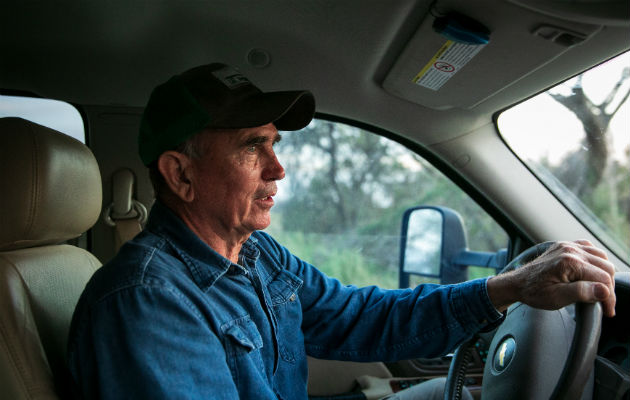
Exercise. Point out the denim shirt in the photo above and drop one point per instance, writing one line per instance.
(169, 318)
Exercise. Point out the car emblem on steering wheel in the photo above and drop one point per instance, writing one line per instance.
(504, 354)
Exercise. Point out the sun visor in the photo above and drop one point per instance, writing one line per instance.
(458, 59)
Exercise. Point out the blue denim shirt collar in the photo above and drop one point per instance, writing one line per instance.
(205, 264)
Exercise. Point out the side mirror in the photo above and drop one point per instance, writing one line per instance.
(433, 244)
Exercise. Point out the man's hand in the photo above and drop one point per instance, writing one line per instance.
(566, 273)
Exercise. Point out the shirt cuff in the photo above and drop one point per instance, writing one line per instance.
(494, 324)
(473, 308)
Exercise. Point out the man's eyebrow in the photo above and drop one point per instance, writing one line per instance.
(262, 139)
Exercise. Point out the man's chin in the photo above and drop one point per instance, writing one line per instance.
(261, 223)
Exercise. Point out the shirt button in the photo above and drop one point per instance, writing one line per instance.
(292, 298)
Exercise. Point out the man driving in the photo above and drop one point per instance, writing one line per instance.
(203, 304)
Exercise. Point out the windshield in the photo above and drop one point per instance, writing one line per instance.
(576, 138)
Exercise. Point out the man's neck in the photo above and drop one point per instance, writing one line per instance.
(226, 243)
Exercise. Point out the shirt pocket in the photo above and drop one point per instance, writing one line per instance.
(242, 336)
(283, 287)
(284, 292)
(243, 344)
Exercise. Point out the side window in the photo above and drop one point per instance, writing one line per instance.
(341, 204)
(54, 114)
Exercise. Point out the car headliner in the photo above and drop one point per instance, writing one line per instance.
(115, 52)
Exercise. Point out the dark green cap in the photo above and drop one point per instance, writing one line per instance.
(215, 96)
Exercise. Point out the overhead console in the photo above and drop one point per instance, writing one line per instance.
(450, 61)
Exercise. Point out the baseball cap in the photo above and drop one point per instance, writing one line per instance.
(215, 96)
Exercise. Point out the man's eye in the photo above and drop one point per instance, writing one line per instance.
(252, 148)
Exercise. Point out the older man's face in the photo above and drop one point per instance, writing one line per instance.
(235, 180)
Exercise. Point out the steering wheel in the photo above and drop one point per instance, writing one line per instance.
(535, 354)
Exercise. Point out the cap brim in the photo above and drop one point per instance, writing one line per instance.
(288, 110)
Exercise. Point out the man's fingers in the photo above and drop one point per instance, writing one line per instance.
(595, 251)
(609, 304)
(584, 262)
(571, 272)
(601, 263)
(607, 297)
(599, 272)
(600, 292)
(595, 269)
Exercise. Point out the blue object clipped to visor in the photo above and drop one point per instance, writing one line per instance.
(461, 29)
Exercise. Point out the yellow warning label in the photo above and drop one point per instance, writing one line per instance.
(433, 60)
(451, 57)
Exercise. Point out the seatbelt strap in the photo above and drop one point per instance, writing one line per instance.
(125, 214)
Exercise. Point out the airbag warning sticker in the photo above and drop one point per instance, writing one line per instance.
(445, 64)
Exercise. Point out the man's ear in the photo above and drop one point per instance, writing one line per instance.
(176, 168)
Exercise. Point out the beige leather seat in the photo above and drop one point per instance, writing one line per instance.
(50, 191)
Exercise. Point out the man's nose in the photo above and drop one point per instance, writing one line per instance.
(274, 170)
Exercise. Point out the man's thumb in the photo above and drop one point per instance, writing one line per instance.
(600, 291)
(583, 291)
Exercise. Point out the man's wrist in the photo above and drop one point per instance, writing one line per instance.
(502, 291)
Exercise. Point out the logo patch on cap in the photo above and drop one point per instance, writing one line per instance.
(231, 77)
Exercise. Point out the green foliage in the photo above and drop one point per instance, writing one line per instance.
(479, 272)
(338, 259)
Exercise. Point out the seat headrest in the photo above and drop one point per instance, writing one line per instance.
(50, 185)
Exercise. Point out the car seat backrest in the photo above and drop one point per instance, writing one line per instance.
(50, 192)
